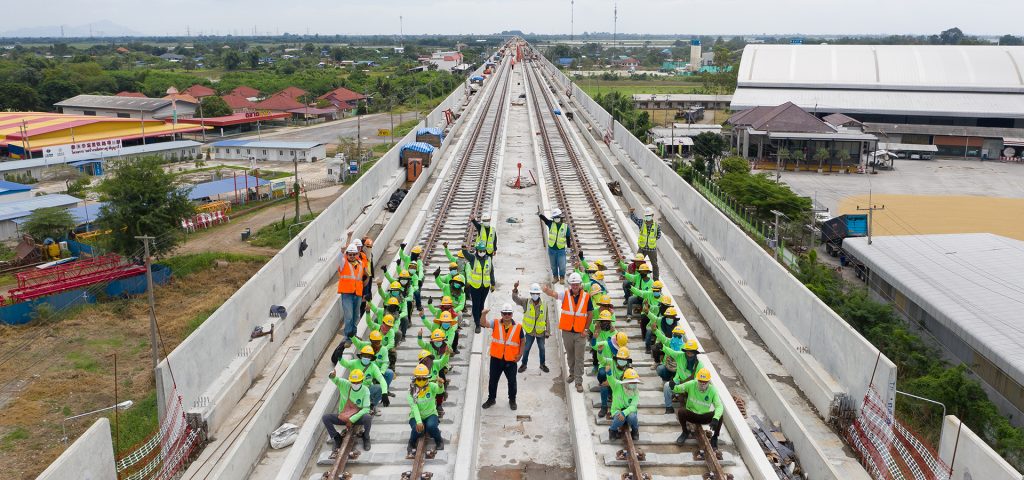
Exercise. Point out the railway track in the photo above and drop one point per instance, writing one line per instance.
(597, 235)
(466, 191)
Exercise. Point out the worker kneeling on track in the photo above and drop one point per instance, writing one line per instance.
(423, 408)
(702, 406)
(625, 403)
(353, 407)
(381, 375)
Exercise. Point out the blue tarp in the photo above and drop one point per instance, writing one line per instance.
(476, 78)
(438, 131)
(224, 186)
(418, 147)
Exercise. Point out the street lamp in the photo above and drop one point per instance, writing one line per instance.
(120, 406)
(173, 93)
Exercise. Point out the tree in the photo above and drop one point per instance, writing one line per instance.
(843, 156)
(1011, 40)
(142, 199)
(821, 155)
(18, 97)
(54, 222)
(254, 60)
(709, 145)
(953, 36)
(232, 60)
(734, 165)
(214, 106)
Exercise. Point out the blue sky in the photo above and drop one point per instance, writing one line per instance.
(707, 17)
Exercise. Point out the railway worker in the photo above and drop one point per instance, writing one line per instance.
(422, 398)
(702, 406)
(625, 403)
(663, 318)
(445, 318)
(558, 239)
(384, 356)
(414, 256)
(650, 296)
(486, 234)
(630, 268)
(353, 406)
(535, 323)
(459, 259)
(574, 320)
(365, 362)
(351, 277)
(388, 332)
(600, 331)
(364, 256)
(410, 283)
(454, 288)
(439, 345)
(679, 363)
(612, 368)
(640, 280)
(650, 233)
(506, 351)
(480, 281)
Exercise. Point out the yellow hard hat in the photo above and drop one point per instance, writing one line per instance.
(421, 371)
(366, 350)
(446, 317)
(691, 345)
(599, 263)
(459, 254)
(437, 335)
(622, 353)
(446, 300)
(678, 330)
(423, 354)
(605, 300)
(703, 375)
(644, 268)
(396, 286)
(591, 268)
(605, 315)
(630, 376)
(393, 301)
(666, 300)
(453, 265)
(356, 376)
(621, 339)
(638, 258)
(404, 273)
(417, 249)
(389, 320)
(458, 278)
(375, 336)
(595, 288)
(598, 276)
(658, 285)
(671, 312)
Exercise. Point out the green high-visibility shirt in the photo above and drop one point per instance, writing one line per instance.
(622, 402)
(370, 370)
(458, 301)
(424, 405)
(380, 357)
(701, 402)
(360, 398)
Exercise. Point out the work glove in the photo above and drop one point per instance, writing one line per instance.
(715, 423)
(437, 272)
(403, 244)
(386, 401)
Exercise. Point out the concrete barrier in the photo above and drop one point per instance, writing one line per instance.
(969, 455)
(91, 457)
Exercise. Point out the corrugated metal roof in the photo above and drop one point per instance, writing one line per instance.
(23, 208)
(114, 103)
(886, 67)
(973, 284)
(853, 102)
(11, 187)
(265, 144)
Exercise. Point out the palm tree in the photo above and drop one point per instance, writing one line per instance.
(821, 155)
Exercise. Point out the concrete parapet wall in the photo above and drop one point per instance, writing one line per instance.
(971, 457)
(91, 457)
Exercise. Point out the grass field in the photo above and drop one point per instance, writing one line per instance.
(636, 87)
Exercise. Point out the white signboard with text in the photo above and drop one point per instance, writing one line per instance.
(95, 146)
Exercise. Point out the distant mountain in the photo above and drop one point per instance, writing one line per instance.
(102, 28)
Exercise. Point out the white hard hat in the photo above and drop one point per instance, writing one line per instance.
(506, 308)
(352, 249)
(534, 288)
(358, 243)
(486, 217)
(648, 211)
(556, 212)
(575, 278)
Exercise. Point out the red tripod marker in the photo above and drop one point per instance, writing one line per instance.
(519, 175)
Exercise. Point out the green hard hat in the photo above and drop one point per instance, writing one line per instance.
(481, 246)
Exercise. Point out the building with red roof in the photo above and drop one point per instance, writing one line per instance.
(245, 92)
(130, 94)
(199, 91)
(279, 103)
(237, 102)
(292, 92)
(343, 98)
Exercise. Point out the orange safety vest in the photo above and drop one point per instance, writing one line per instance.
(350, 278)
(366, 262)
(574, 317)
(505, 347)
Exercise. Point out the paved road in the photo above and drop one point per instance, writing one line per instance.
(367, 126)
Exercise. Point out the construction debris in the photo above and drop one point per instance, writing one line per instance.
(778, 449)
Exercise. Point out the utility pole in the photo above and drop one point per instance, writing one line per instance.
(572, 20)
(777, 214)
(615, 27)
(871, 215)
(295, 188)
(152, 301)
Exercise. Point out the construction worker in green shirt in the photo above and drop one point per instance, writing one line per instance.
(383, 353)
(394, 306)
(600, 331)
(702, 406)
(535, 323)
(666, 323)
(650, 296)
(625, 403)
(679, 362)
(458, 258)
(410, 281)
(454, 288)
(656, 319)
(439, 343)
(365, 362)
(641, 280)
(406, 260)
(422, 398)
(612, 368)
(451, 319)
(438, 366)
(350, 392)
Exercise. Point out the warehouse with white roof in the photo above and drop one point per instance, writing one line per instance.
(268, 150)
(965, 100)
(967, 290)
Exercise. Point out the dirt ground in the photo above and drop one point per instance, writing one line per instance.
(923, 214)
(63, 367)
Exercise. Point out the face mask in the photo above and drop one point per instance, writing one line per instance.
(535, 297)
(648, 218)
(404, 281)
(365, 361)
(456, 286)
(690, 354)
(421, 382)
(622, 363)
(446, 326)
(486, 224)
(605, 326)
(702, 386)
(437, 344)
(656, 294)
(631, 388)
(558, 220)
(481, 254)
(676, 343)
(356, 387)
(392, 309)
(669, 320)
(383, 330)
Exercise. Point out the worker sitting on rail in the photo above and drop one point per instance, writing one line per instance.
(557, 239)
(414, 256)
(440, 343)
(650, 233)
(451, 319)
(413, 263)
(453, 270)
(410, 282)
(423, 408)
(438, 366)
(702, 406)
(612, 368)
(459, 259)
(480, 281)
(625, 403)
(365, 362)
(395, 304)
(388, 333)
(665, 323)
(535, 323)
(630, 268)
(679, 363)
(600, 331)
(650, 296)
(486, 234)
(353, 406)
(384, 347)
(640, 280)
